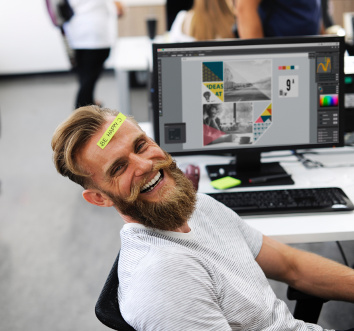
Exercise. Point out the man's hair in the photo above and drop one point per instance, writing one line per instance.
(72, 135)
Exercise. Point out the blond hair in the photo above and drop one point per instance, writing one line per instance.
(212, 19)
(72, 135)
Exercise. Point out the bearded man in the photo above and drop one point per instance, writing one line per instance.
(187, 262)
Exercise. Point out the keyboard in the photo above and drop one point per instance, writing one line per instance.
(286, 201)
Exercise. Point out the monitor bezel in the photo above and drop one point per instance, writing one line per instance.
(243, 42)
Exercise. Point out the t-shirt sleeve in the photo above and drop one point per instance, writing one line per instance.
(179, 296)
(253, 237)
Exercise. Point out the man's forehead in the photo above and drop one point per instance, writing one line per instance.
(126, 134)
(125, 137)
(126, 127)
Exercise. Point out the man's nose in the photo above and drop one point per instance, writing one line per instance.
(141, 164)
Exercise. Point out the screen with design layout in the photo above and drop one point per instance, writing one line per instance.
(269, 94)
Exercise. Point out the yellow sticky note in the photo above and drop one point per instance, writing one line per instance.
(225, 182)
(110, 132)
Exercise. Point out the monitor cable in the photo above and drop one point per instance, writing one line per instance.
(343, 254)
(311, 164)
(308, 163)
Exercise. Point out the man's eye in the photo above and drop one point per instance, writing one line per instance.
(140, 145)
(117, 169)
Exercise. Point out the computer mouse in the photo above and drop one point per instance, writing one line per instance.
(192, 172)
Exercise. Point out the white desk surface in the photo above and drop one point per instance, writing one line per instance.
(132, 53)
(135, 53)
(295, 228)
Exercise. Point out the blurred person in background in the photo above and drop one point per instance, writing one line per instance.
(270, 18)
(91, 33)
(206, 20)
(173, 7)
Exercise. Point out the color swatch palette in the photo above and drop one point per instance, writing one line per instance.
(328, 100)
(288, 67)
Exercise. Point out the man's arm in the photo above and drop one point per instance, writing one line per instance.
(249, 23)
(306, 271)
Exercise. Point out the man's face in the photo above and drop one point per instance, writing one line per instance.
(139, 178)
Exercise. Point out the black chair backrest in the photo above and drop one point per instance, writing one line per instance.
(107, 308)
(308, 307)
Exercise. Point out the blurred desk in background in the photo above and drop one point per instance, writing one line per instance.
(131, 54)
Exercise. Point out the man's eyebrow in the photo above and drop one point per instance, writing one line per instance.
(109, 172)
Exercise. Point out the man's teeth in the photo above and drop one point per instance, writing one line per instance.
(150, 185)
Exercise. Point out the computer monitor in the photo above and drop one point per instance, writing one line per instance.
(349, 103)
(245, 97)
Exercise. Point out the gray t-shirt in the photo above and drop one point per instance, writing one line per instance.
(206, 279)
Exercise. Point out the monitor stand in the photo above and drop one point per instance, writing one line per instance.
(248, 165)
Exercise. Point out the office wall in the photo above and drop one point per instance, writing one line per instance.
(338, 7)
(133, 22)
(29, 43)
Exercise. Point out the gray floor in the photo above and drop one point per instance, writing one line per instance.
(55, 249)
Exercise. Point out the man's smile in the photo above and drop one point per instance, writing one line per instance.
(153, 182)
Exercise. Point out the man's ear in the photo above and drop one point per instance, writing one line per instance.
(97, 198)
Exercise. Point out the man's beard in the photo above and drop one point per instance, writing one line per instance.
(175, 207)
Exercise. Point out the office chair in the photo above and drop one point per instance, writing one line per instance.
(307, 308)
(107, 308)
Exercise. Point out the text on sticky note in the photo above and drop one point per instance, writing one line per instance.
(112, 129)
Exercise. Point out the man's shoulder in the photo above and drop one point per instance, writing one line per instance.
(163, 264)
(209, 205)
(160, 268)
(159, 258)
(162, 258)
(203, 197)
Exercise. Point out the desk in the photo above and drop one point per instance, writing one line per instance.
(295, 228)
(131, 54)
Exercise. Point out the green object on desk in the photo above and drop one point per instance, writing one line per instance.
(225, 182)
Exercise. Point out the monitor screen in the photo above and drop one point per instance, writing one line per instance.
(245, 97)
